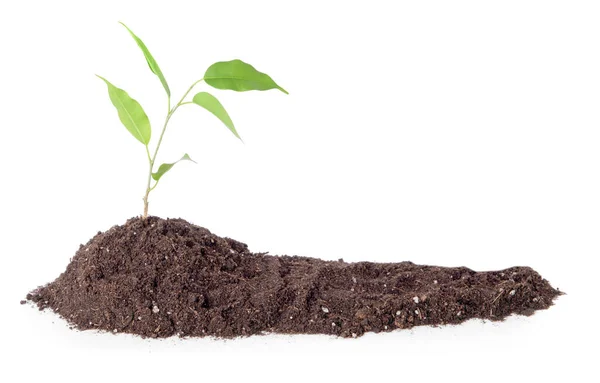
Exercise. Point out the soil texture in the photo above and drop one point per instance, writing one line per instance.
(159, 278)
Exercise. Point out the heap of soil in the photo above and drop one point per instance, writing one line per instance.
(158, 278)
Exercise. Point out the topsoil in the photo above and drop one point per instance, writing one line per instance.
(159, 278)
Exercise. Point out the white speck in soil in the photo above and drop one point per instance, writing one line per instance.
(107, 250)
(168, 313)
(155, 309)
(134, 233)
(332, 324)
(512, 292)
(232, 251)
(115, 331)
(291, 317)
(354, 335)
(435, 282)
(87, 249)
(398, 313)
(325, 310)
(417, 312)
(535, 299)
(353, 279)
(139, 318)
(385, 327)
(416, 299)
(458, 313)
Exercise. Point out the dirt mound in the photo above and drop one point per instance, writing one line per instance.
(160, 278)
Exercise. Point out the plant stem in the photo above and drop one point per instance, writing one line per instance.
(152, 160)
(189, 90)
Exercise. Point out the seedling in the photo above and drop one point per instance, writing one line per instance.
(234, 75)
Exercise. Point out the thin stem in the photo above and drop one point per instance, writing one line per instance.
(152, 159)
(150, 163)
(189, 90)
(148, 154)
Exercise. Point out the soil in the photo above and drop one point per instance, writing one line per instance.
(159, 278)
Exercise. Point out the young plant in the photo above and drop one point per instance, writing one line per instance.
(233, 75)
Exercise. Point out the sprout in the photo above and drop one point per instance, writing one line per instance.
(233, 75)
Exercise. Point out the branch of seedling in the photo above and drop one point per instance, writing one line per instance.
(152, 160)
(233, 75)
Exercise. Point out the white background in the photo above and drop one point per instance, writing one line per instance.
(442, 132)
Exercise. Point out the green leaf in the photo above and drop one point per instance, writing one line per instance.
(131, 113)
(162, 169)
(150, 60)
(210, 103)
(239, 76)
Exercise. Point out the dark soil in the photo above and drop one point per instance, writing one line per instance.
(168, 277)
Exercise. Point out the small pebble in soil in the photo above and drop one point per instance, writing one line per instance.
(512, 292)
(398, 313)
(325, 310)
(416, 299)
(155, 309)
(435, 282)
